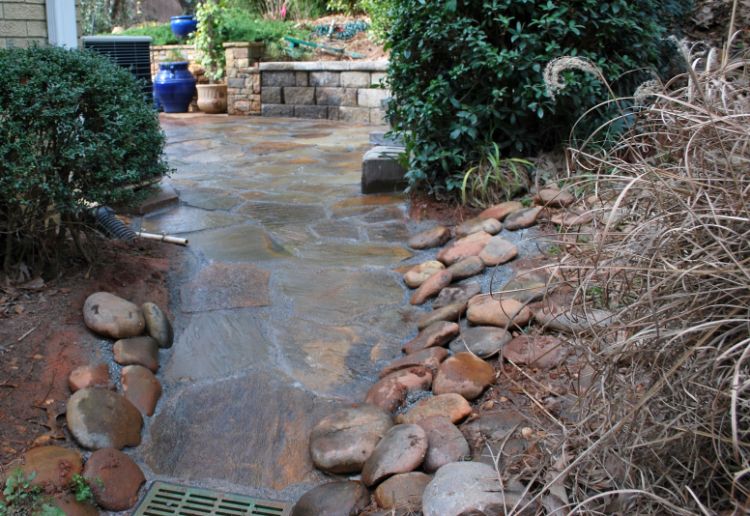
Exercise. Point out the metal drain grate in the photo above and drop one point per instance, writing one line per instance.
(169, 499)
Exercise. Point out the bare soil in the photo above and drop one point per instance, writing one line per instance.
(43, 337)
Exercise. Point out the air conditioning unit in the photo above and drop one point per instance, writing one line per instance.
(130, 52)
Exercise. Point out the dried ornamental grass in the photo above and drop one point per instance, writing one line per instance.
(664, 426)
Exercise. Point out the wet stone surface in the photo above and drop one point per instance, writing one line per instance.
(287, 306)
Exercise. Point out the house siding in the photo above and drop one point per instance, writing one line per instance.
(23, 23)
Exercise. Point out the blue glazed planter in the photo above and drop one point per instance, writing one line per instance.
(183, 25)
(174, 87)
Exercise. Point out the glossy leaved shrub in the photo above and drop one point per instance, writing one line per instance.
(74, 129)
(467, 73)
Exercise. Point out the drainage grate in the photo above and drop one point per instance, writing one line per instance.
(169, 499)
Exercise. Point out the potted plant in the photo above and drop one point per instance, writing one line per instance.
(212, 98)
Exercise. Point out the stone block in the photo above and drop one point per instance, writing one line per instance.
(252, 82)
(371, 97)
(378, 78)
(302, 78)
(242, 106)
(381, 170)
(255, 105)
(355, 79)
(271, 95)
(355, 115)
(24, 11)
(377, 117)
(236, 83)
(13, 29)
(299, 96)
(242, 63)
(239, 52)
(325, 78)
(336, 96)
(318, 112)
(36, 28)
(277, 110)
(278, 79)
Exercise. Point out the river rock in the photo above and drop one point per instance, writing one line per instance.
(483, 341)
(334, 499)
(471, 226)
(401, 450)
(89, 376)
(457, 294)
(461, 488)
(452, 406)
(100, 418)
(429, 358)
(437, 334)
(498, 251)
(445, 441)
(572, 218)
(522, 219)
(390, 392)
(486, 310)
(446, 313)
(53, 466)
(418, 274)
(554, 198)
(114, 479)
(540, 351)
(493, 428)
(112, 316)
(143, 351)
(500, 211)
(525, 286)
(466, 268)
(465, 374)
(432, 287)
(403, 491)
(158, 326)
(562, 319)
(343, 441)
(141, 388)
(471, 245)
(433, 237)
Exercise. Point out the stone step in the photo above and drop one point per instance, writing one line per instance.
(382, 171)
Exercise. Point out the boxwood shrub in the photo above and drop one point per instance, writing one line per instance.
(467, 73)
(74, 128)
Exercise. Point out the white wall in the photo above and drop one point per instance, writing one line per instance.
(61, 23)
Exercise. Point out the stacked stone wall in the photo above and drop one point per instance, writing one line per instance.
(23, 23)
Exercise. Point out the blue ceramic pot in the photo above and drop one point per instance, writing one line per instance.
(183, 25)
(174, 87)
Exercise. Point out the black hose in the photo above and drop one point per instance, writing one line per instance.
(113, 226)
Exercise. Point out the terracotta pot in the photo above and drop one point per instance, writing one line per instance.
(212, 98)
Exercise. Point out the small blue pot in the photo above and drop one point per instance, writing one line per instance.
(182, 26)
(174, 87)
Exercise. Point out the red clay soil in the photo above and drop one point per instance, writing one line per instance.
(424, 207)
(43, 337)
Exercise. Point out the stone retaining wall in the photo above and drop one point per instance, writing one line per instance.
(335, 90)
(350, 91)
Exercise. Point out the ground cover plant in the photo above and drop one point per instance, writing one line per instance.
(74, 129)
(469, 74)
(664, 416)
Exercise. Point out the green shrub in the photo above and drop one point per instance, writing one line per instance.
(380, 17)
(74, 128)
(468, 73)
(160, 33)
(345, 6)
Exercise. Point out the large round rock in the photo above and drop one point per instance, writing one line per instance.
(333, 499)
(402, 491)
(100, 418)
(401, 450)
(343, 441)
(483, 341)
(446, 443)
(114, 479)
(467, 488)
(112, 316)
(157, 325)
(465, 374)
(53, 466)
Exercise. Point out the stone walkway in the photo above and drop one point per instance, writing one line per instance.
(287, 302)
(290, 301)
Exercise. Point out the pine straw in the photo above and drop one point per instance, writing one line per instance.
(664, 427)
